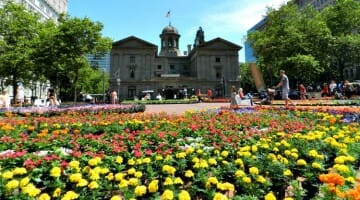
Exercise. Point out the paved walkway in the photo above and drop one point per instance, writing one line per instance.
(181, 108)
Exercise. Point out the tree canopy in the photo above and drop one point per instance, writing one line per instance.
(308, 43)
(31, 49)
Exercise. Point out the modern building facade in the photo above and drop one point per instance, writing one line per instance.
(48, 9)
(136, 66)
(100, 62)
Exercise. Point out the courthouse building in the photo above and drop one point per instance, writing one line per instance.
(137, 66)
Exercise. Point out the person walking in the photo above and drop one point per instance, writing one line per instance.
(284, 84)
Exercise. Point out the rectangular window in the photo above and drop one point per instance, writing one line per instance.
(172, 67)
(132, 59)
(217, 59)
(131, 91)
(159, 67)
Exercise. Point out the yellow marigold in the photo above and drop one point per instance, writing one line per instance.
(294, 155)
(147, 160)
(189, 150)
(239, 162)
(313, 153)
(119, 176)
(13, 184)
(119, 159)
(7, 175)
(184, 195)
(181, 155)
(246, 179)
(57, 192)
(288, 172)
(19, 171)
(159, 157)
(133, 181)
(140, 190)
(94, 161)
(287, 152)
(169, 169)
(24, 181)
(212, 180)
(350, 180)
(275, 149)
(239, 173)
(131, 171)
(254, 148)
(254, 170)
(288, 198)
(224, 153)
(178, 181)
(55, 172)
(219, 196)
(131, 162)
(93, 185)
(44, 196)
(301, 162)
(123, 183)
(341, 168)
(82, 183)
(138, 174)
(117, 197)
(189, 173)
(70, 195)
(168, 181)
(153, 186)
(316, 165)
(104, 170)
(74, 164)
(74, 178)
(110, 177)
(260, 179)
(212, 161)
(167, 195)
(225, 186)
(195, 160)
(270, 196)
(31, 190)
(340, 160)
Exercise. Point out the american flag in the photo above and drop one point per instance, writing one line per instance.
(167, 14)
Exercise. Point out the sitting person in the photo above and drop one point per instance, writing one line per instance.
(241, 97)
(4, 100)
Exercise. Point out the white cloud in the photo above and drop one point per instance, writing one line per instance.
(236, 16)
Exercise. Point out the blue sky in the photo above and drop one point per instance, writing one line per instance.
(228, 19)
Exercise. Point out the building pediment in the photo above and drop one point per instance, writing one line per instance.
(133, 42)
(219, 43)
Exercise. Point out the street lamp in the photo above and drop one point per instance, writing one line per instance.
(118, 87)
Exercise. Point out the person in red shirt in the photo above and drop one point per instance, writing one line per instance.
(302, 90)
(209, 93)
(325, 90)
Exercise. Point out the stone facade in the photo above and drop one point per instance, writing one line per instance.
(135, 66)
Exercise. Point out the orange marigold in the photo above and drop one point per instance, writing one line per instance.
(332, 178)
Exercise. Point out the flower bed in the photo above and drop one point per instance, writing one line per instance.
(247, 153)
(84, 109)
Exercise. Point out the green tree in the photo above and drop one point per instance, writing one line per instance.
(18, 30)
(343, 19)
(246, 81)
(66, 48)
(294, 41)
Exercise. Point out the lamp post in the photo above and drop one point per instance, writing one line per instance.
(118, 87)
